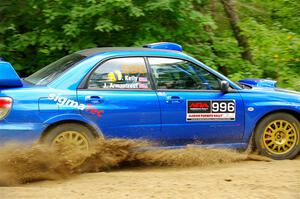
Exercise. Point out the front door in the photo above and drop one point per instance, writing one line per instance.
(193, 109)
(119, 99)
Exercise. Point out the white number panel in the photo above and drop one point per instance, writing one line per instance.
(210, 110)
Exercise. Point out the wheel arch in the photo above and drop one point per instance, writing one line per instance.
(288, 111)
(93, 130)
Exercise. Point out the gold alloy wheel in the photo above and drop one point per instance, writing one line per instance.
(279, 137)
(73, 139)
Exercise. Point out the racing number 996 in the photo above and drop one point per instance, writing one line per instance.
(223, 106)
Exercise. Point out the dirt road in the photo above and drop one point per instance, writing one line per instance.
(246, 179)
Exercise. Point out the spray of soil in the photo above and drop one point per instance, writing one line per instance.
(24, 164)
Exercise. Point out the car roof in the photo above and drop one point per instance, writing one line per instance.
(95, 51)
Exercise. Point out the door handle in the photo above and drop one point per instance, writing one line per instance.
(94, 99)
(174, 99)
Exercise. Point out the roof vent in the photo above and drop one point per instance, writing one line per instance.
(164, 46)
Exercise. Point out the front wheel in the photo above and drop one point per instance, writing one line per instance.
(277, 136)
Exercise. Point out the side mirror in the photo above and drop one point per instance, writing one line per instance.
(225, 86)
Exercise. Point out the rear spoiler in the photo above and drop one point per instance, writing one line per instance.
(8, 76)
(259, 83)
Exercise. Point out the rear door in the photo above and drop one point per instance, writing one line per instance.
(119, 98)
(193, 109)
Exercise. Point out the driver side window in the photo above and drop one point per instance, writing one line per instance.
(172, 73)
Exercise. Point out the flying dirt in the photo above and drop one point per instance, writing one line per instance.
(21, 164)
(120, 169)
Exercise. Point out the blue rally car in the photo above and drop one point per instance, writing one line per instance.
(156, 93)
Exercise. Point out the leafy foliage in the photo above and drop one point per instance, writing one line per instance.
(34, 33)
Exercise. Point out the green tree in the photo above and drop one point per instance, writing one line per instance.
(33, 33)
(41, 31)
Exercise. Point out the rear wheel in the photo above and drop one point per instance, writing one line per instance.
(277, 136)
(73, 134)
(72, 140)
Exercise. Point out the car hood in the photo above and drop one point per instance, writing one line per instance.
(261, 85)
(276, 90)
(272, 95)
(286, 91)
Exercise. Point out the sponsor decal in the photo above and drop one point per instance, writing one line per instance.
(131, 78)
(211, 110)
(133, 69)
(128, 82)
(143, 79)
(120, 86)
(63, 101)
(126, 85)
(143, 86)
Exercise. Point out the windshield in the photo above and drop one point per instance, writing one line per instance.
(54, 70)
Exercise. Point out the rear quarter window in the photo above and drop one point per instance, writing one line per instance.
(54, 70)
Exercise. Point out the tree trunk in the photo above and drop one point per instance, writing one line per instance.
(234, 20)
(212, 9)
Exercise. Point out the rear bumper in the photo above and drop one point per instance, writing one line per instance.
(20, 132)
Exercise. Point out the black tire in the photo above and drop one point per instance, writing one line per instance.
(82, 130)
(266, 137)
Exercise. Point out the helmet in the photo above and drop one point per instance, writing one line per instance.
(115, 76)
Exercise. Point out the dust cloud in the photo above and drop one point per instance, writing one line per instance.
(20, 164)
